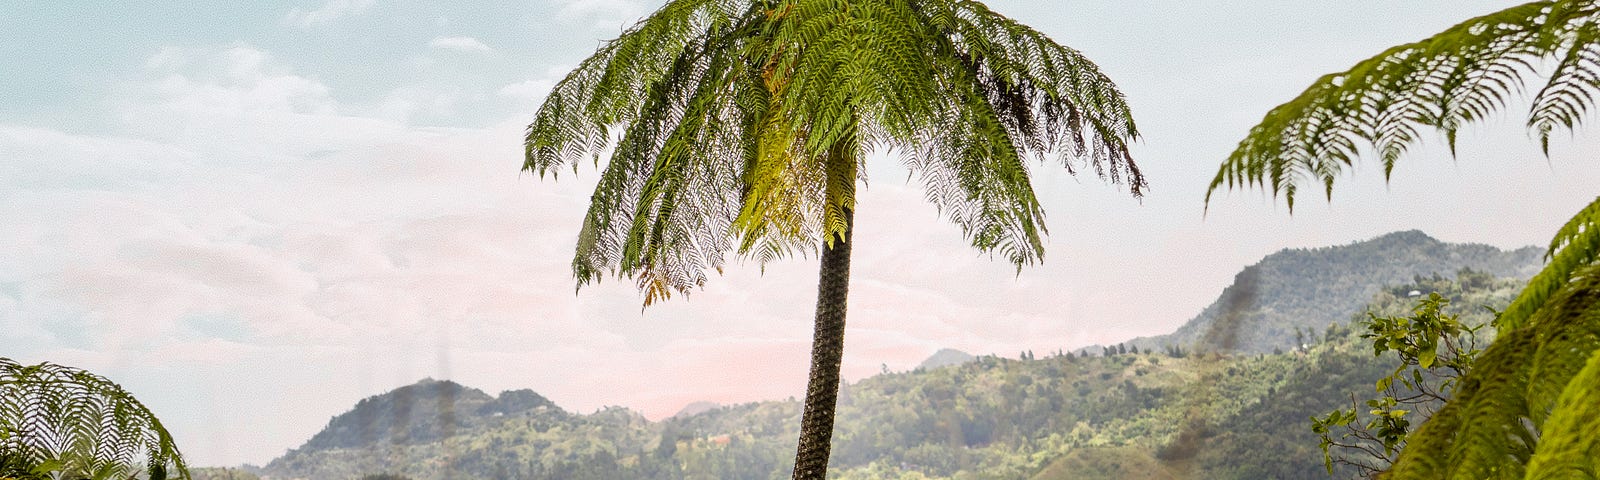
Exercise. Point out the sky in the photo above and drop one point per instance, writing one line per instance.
(253, 214)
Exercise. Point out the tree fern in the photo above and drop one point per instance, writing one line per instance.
(1570, 445)
(742, 126)
(79, 425)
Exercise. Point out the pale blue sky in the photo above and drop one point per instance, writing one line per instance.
(254, 214)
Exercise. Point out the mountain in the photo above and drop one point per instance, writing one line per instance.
(945, 357)
(697, 408)
(423, 412)
(1305, 290)
(381, 428)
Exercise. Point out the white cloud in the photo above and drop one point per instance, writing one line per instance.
(405, 103)
(529, 90)
(236, 79)
(535, 89)
(605, 14)
(240, 105)
(463, 44)
(328, 12)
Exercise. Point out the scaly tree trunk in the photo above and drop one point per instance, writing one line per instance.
(827, 351)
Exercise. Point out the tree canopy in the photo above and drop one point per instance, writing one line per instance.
(720, 116)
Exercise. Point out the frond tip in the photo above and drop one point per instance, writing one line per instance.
(1576, 245)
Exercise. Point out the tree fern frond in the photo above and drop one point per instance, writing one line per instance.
(1492, 441)
(83, 422)
(1582, 232)
(1576, 244)
(1566, 336)
(977, 176)
(1480, 429)
(1084, 115)
(611, 87)
(1456, 77)
(1569, 447)
(1563, 101)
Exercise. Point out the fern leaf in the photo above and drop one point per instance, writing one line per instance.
(1459, 76)
(1576, 245)
(1569, 447)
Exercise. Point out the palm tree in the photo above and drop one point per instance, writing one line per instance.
(62, 422)
(1532, 402)
(742, 126)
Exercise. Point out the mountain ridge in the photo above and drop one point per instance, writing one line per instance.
(1286, 291)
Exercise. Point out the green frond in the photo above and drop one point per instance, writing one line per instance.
(1581, 232)
(1570, 93)
(744, 124)
(1492, 441)
(1565, 332)
(1459, 76)
(978, 178)
(1575, 245)
(611, 87)
(81, 424)
(1569, 448)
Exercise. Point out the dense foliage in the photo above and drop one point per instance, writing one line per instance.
(1205, 415)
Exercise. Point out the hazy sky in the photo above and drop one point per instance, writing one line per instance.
(253, 214)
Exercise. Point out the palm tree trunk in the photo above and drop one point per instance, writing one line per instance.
(827, 351)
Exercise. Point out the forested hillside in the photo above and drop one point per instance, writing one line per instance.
(1161, 409)
(1306, 289)
(1151, 414)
